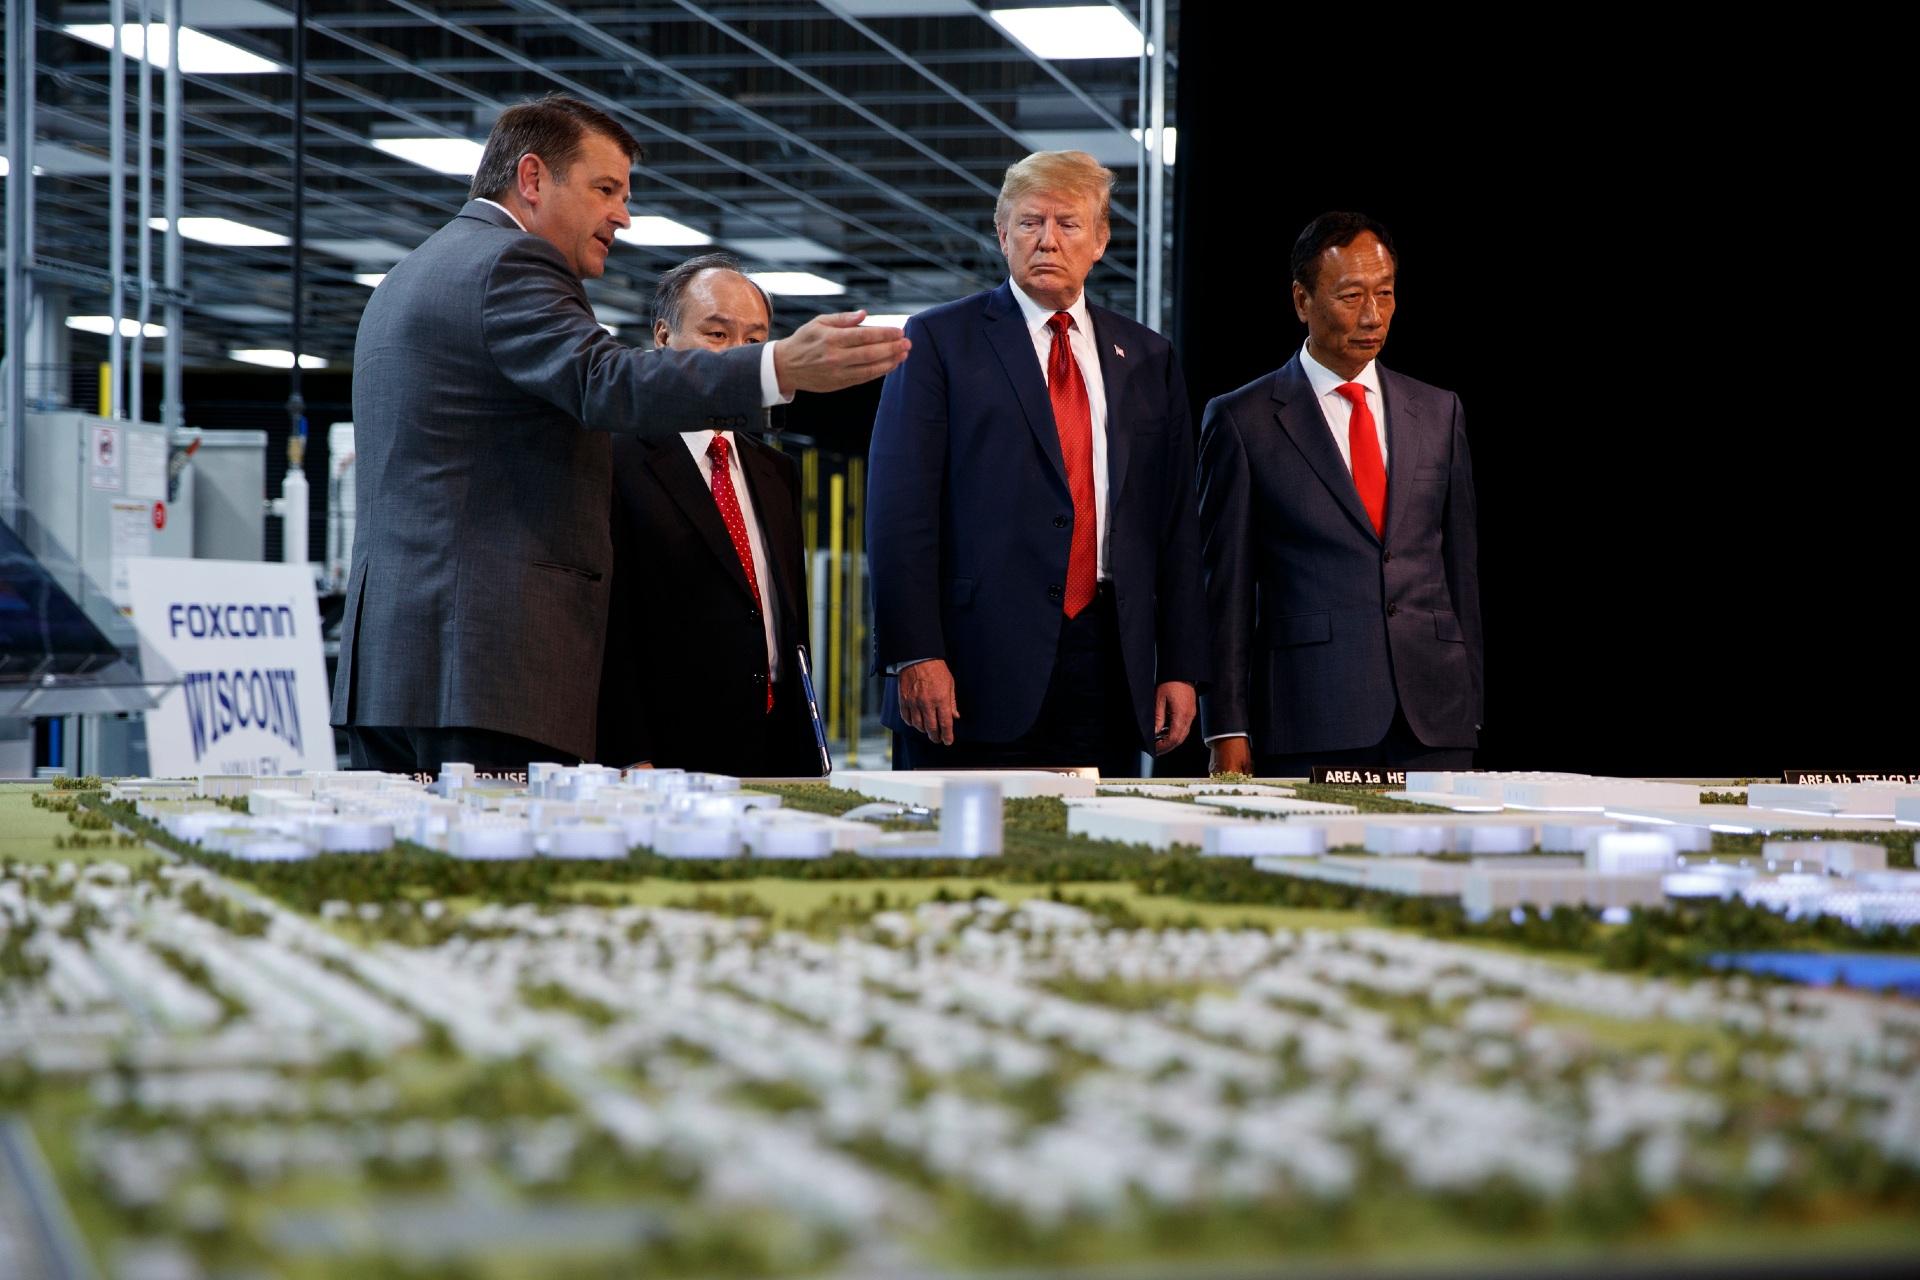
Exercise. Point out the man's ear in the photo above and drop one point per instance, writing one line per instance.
(528, 175)
(1300, 296)
(661, 333)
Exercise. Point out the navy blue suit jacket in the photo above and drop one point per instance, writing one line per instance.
(969, 519)
(1320, 625)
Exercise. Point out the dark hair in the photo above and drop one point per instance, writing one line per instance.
(551, 128)
(1334, 231)
(671, 290)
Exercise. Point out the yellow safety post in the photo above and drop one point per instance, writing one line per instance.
(836, 583)
(106, 389)
(856, 613)
(810, 502)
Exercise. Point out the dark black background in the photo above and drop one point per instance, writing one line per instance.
(1668, 308)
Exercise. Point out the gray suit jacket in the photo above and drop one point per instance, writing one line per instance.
(482, 389)
(1320, 625)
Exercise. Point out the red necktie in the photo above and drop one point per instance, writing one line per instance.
(1363, 446)
(729, 504)
(1073, 419)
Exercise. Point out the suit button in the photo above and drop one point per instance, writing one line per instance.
(1392, 609)
(1053, 593)
(1059, 522)
(1386, 557)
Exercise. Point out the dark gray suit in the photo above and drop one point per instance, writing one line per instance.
(482, 386)
(1322, 627)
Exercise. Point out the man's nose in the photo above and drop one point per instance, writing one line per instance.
(1370, 312)
(621, 218)
(1049, 235)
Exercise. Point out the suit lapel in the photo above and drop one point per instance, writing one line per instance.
(679, 475)
(1300, 417)
(1007, 332)
(1113, 374)
(773, 509)
(1403, 411)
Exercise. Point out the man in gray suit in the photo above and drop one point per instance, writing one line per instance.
(1337, 512)
(482, 391)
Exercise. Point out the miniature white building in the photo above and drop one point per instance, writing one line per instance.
(1488, 889)
(1159, 824)
(1836, 857)
(1632, 853)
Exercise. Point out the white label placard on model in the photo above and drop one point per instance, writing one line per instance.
(245, 639)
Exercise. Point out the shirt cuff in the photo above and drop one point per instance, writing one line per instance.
(1221, 737)
(769, 380)
(896, 668)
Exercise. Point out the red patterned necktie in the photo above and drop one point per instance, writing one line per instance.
(1073, 419)
(729, 504)
(1363, 446)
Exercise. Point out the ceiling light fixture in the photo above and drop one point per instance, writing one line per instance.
(274, 358)
(797, 284)
(1173, 142)
(226, 232)
(459, 157)
(652, 229)
(200, 53)
(1076, 31)
(103, 325)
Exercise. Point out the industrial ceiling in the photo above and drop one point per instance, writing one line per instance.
(858, 140)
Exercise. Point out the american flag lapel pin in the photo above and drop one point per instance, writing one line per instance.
(1120, 351)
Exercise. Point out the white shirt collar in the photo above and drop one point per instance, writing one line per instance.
(502, 208)
(1037, 315)
(1324, 380)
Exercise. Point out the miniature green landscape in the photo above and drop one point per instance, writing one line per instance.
(543, 1067)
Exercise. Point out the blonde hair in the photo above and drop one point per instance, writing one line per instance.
(1062, 172)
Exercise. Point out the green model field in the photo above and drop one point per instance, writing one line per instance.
(1075, 1055)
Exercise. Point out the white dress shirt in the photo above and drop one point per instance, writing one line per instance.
(1087, 356)
(769, 380)
(1338, 410)
(697, 442)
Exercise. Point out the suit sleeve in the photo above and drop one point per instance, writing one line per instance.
(1226, 548)
(1181, 627)
(543, 338)
(1461, 556)
(907, 464)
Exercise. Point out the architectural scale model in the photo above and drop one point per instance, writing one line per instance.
(1621, 842)
(351, 1024)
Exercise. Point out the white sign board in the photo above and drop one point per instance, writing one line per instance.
(132, 530)
(106, 465)
(147, 465)
(245, 639)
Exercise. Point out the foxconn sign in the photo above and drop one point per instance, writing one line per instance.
(245, 640)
